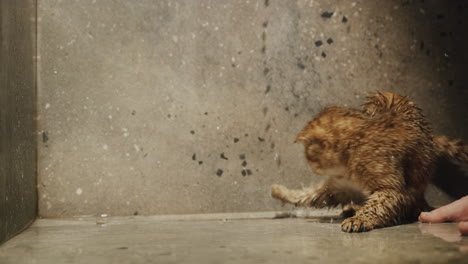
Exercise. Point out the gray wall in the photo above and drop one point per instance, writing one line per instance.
(139, 99)
(18, 195)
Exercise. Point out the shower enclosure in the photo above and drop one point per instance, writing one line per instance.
(158, 123)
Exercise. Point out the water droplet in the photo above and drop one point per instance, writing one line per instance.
(102, 219)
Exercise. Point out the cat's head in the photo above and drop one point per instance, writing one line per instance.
(324, 139)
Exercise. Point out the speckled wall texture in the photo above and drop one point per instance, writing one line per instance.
(162, 107)
(18, 195)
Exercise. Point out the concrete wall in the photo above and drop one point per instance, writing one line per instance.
(146, 107)
(18, 196)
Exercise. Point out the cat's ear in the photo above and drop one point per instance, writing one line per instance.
(301, 138)
(304, 135)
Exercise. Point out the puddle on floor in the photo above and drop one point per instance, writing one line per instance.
(447, 232)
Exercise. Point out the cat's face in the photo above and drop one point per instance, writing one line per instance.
(322, 156)
(325, 149)
(321, 151)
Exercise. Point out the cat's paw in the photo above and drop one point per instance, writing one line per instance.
(357, 224)
(296, 197)
(278, 191)
(284, 194)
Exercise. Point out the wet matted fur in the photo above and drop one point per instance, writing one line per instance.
(379, 161)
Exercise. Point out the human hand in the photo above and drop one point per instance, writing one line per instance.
(454, 212)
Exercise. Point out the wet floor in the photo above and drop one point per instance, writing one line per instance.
(248, 238)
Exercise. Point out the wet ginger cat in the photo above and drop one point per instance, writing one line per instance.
(379, 161)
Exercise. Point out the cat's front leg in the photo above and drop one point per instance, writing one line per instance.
(326, 194)
(300, 197)
(386, 207)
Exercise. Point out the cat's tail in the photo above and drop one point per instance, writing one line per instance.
(452, 149)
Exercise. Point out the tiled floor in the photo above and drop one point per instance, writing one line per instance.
(242, 238)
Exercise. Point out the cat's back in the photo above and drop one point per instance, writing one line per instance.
(395, 132)
(397, 116)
